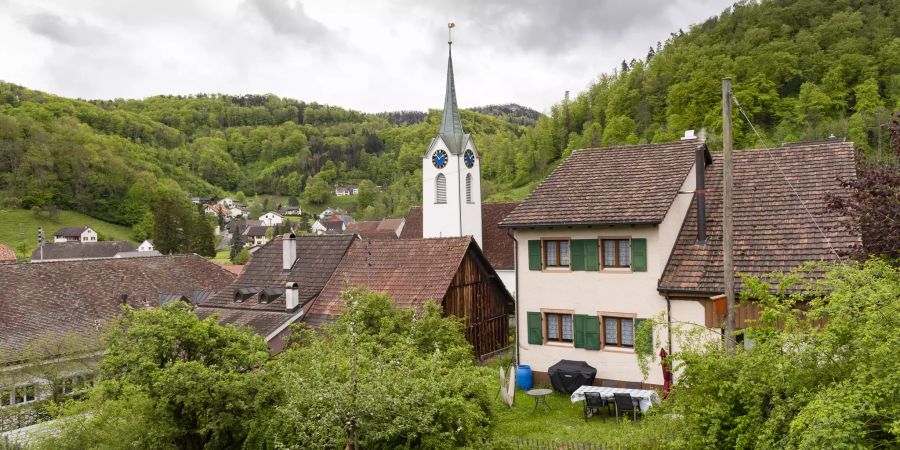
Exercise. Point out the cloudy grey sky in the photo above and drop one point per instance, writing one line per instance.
(366, 55)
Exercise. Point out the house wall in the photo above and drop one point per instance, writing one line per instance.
(89, 235)
(508, 277)
(618, 291)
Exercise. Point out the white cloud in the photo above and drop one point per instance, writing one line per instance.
(367, 55)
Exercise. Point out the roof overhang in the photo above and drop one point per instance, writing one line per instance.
(579, 224)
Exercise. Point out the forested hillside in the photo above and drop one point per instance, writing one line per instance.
(804, 69)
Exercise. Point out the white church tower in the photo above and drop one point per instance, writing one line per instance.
(451, 175)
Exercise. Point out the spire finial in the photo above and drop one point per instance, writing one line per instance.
(449, 31)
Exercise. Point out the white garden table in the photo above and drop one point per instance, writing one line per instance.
(646, 398)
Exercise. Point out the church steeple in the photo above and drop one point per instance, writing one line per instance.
(451, 125)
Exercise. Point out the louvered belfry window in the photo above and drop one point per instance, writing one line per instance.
(468, 188)
(440, 189)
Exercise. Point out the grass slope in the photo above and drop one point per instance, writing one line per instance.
(19, 225)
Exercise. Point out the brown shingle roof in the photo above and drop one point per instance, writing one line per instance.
(70, 231)
(377, 229)
(81, 250)
(616, 185)
(412, 271)
(499, 248)
(413, 227)
(772, 231)
(317, 257)
(56, 298)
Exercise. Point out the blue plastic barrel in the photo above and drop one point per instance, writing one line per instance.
(523, 377)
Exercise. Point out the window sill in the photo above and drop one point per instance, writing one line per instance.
(559, 344)
(616, 270)
(557, 269)
(617, 349)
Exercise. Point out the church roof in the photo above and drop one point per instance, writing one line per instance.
(451, 130)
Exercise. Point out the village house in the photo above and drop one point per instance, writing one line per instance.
(290, 211)
(146, 246)
(343, 191)
(300, 279)
(75, 234)
(218, 209)
(73, 251)
(228, 202)
(387, 228)
(255, 235)
(333, 224)
(271, 218)
(50, 325)
(612, 238)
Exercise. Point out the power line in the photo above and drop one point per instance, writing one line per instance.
(783, 175)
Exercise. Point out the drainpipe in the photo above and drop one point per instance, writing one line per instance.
(516, 297)
(669, 320)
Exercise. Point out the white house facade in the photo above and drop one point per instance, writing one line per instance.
(271, 218)
(592, 243)
(147, 246)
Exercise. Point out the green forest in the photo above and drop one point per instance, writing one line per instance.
(802, 70)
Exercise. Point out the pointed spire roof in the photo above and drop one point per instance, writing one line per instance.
(451, 125)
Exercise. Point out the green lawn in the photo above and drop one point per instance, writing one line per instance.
(563, 423)
(222, 256)
(19, 225)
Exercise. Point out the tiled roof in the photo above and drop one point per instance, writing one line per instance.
(772, 230)
(81, 250)
(616, 185)
(317, 257)
(56, 298)
(499, 248)
(7, 254)
(377, 229)
(70, 231)
(257, 230)
(412, 271)
(413, 227)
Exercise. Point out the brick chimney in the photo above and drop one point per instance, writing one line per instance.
(291, 296)
(288, 251)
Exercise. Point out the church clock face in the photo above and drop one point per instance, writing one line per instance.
(469, 158)
(439, 159)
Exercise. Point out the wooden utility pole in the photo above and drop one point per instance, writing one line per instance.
(728, 221)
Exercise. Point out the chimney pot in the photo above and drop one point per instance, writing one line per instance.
(291, 296)
(288, 251)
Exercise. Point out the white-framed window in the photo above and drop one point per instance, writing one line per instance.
(440, 189)
(18, 395)
(468, 188)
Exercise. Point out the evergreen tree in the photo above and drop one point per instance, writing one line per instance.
(236, 245)
(202, 237)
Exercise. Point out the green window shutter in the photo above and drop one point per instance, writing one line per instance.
(644, 342)
(591, 326)
(535, 329)
(578, 320)
(534, 255)
(576, 247)
(591, 255)
(639, 255)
